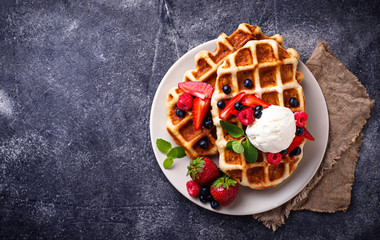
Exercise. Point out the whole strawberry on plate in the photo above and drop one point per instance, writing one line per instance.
(224, 190)
(202, 170)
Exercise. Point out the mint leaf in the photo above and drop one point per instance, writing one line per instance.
(250, 152)
(163, 146)
(237, 147)
(232, 129)
(168, 162)
(229, 145)
(176, 152)
(180, 152)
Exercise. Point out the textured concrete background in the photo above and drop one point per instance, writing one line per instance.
(77, 79)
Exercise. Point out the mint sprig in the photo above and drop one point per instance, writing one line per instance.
(172, 153)
(242, 146)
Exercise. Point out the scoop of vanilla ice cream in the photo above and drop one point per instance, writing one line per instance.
(274, 131)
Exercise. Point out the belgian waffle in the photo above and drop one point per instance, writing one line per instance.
(272, 70)
(181, 129)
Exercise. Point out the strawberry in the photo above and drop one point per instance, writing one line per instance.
(252, 101)
(185, 102)
(193, 188)
(202, 170)
(200, 109)
(306, 134)
(198, 89)
(229, 108)
(234, 112)
(273, 158)
(301, 118)
(224, 190)
(296, 142)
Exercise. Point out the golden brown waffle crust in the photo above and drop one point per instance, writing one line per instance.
(207, 64)
(283, 64)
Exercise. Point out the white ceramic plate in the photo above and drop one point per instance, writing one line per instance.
(248, 201)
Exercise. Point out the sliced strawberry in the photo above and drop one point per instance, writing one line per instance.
(252, 101)
(296, 142)
(234, 112)
(200, 109)
(306, 134)
(197, 89)
(228, 109)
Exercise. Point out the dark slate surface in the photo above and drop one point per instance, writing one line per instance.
(77, 81)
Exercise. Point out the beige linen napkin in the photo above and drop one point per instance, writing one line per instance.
(349, 107)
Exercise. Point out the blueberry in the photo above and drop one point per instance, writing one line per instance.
(203, 143)
(257, 114)
(226, 89)
(180, 113)
(208, 124)
(202, 198)
(214, 204)
(284, 152)
(295, 152)
(247, 83)
(209, 198)
(205, 191)
(221, 104)
(293, 102)
(299, 131)
(258, 108)
(238, 106)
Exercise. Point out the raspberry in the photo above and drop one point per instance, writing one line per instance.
(193, 188)
(246, 116)
(273, 158)
(301, 118)
(185, 102)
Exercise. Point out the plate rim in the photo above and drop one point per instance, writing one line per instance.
(172, 68)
